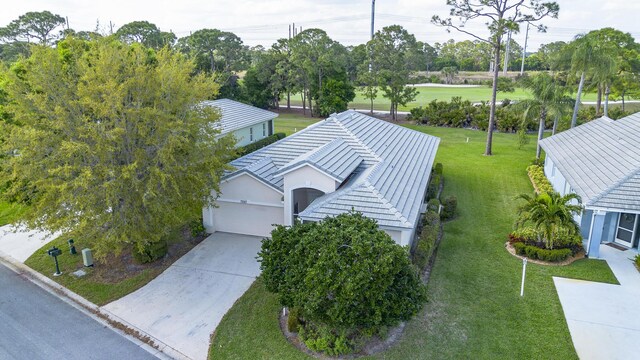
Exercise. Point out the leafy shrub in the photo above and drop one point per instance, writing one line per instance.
(434, 186)
(534, 252)
(196, 227)
(427, 239)
(636, 260)
(343, 272)
(293, 321)
(247, 149)
(434, 205)
(150, 252)
(539, 180)
(438, 168)
(324, 339)
(449, 207)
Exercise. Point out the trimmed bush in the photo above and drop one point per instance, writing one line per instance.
(247, 149)
(636, 260)
(150, 252)
(324, 339)
(434, 186)
(450, 205)
(427, 239)
(196, 227)
(534, 252)
(539, 180)
(434, 205)
(438, 168)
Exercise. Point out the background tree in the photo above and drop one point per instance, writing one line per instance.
(549, 100)
(343, 272)
(501, 16)
(145, 33)
(551, 215)
(392, 54)
(315, 57)
(32, 27)
(112, 142)
(335, 96)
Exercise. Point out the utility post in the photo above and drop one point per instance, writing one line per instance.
(524, 51)
(506, 53)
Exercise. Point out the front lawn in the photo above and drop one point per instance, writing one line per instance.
(290, 123)
(474, 308)
(111, 278)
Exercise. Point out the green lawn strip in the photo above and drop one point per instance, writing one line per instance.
(88, 286)
(10, 212)
(291, 123)
(474, 308)
(250, 330)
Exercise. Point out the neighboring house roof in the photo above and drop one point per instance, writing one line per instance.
(601, 161)
(385, 167)
(236, 115)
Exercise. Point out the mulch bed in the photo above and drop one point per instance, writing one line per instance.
(568, 261)
(115, 268)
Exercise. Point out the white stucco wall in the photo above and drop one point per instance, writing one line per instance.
(401, 237)
(245, 206)
(304, 177)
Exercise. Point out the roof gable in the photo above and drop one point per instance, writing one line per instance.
(385, 167)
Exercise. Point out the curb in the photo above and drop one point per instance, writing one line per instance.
(129, 331)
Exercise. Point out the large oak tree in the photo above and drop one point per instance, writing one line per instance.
(111, 142)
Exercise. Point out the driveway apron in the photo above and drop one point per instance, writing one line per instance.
(184, 305)
(604, 319)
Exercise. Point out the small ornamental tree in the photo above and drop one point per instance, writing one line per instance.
(343, 272)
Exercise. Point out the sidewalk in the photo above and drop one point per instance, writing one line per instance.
(604, 319)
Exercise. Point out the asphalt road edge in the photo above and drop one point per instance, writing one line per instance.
(139, 337)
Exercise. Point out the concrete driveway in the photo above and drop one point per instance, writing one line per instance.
(604, 319)
(20, 243)
(183, 306)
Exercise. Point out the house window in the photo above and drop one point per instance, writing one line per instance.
(553, 171)
(264, 129)
(250, 134)
(270, 127)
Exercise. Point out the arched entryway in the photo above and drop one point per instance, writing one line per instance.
(302, 198)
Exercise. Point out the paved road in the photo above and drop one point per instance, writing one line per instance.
(37, 325)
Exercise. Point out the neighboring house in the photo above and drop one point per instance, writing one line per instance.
(247, 123)
(600, 161)
(350, 161)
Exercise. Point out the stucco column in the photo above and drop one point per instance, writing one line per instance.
(597, 229)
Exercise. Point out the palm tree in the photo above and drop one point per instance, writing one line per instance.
(587, 58)
(549, 99)
(550, 214)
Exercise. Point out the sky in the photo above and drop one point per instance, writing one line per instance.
(262, 22)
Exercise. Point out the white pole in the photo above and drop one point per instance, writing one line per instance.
(524, 269)
(524, 52)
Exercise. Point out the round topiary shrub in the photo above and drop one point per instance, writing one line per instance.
(344, 274)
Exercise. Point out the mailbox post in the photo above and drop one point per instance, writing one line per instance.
(72, 248)
(54, 252)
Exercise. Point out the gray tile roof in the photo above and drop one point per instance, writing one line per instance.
(387, 184)
(337, 159)
(601, 161)
(236, 115)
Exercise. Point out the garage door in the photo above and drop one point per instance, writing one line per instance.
(248, 219)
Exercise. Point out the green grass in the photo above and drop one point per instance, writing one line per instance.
(10, 212)
(474, 308)
(291, 123)
(90, 286)
(427, 94)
